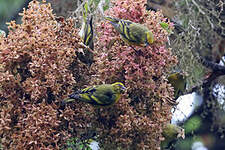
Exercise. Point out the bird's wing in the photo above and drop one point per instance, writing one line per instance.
(88, 36)
(126, 30)
(105, 95)
(84, 95)
(98, 95)
(137, 32)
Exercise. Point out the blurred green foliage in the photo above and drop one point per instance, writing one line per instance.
(8, 10)
(9, 6)
(187, 143)
(93, 4)
(75, 143)
(192, 124)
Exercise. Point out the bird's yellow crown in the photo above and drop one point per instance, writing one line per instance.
(150, 37)
(119, 87)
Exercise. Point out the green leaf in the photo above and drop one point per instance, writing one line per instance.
(96, 2)
(106, 6)
(165, 26)
(85, 12)
(86, 7)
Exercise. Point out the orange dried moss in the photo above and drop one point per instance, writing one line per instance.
(38, 65)
(37, 127)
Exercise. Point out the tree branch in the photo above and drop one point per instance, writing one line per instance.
(213, 66)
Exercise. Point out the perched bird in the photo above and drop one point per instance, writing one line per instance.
(178, 82)
(171, 132)
(131, 32)
(86, 33)
(99, 95)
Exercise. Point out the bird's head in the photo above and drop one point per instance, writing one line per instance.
(119, 87)
(176, 76)
(111, 19)
(181, 76)
(149, 37)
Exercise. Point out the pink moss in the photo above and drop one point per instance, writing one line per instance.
(139, 124)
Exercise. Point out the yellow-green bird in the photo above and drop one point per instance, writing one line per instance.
(99, 95)
(87, 35)
(178, 82)
(171, 132)
(131, 32)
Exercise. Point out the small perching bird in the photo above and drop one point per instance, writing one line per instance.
(87, 34)
(178, 82)
(131, 32)
(171, 132)
(99, 95)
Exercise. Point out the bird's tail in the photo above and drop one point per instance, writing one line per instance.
(75, 95)
(72, 97)
(68, 100)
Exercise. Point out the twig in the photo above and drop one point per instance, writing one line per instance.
(200, 10)
(187, 3)
(203, 13)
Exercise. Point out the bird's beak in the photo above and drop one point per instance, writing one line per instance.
(124, 88)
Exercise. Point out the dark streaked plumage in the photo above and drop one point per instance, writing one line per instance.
(131, 32)
(178, 82)
(99, 95)
(87, 36)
